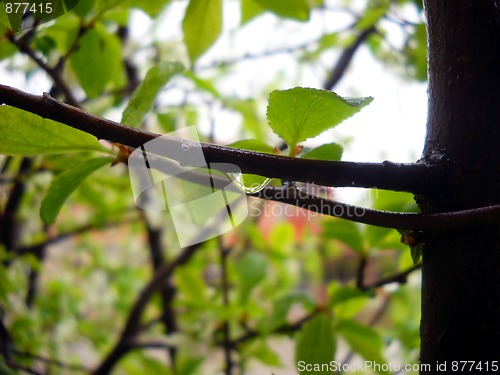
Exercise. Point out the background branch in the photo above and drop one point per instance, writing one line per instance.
(8, 222)
(133, 324)
(399, 277)
(345, 59)
(224, 253)
(286, 328)
(167, 290)
(53, 72)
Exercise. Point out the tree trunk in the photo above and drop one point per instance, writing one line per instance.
(461, 269)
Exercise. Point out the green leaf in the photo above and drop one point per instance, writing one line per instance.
(301, 113)
(327, 42)
(295, 9)
(261, 352)
(24, 133)
(363, 340)
(346, 301)
(105, 5)
(190, 282)
(344, 231)
(7, 49)
(4, 18)
(251, 268)
(315, 344)
(202, 26)
(144, 96)
(252, 122)
(341, 294)
(373, 13)
(281, 306)
(414, 239)
(141, 363)
(152, 8)
(384, 200)
(328, 151)
(98, 61)
(186, 363)
(249, 10)
(64, 184)
(282, 238)
(84, 8)
(203, 84)
(112, 8)
(416, 253)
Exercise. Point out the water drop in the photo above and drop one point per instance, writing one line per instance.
(356, 102)
(248, 183)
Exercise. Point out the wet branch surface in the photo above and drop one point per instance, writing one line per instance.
(418, 178)
(388, 219)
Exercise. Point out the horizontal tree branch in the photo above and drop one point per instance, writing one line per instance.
(301, 198)
(418, 178)
(388, 219)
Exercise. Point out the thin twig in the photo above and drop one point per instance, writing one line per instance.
(286, 328)
(259, 55)
(346, 58)
(151, 345)
(34, 274)
(167, 291)
(8, 221)
(5, 339)
(54, 73)
(360, 277)
(400, 277)
(224, 252)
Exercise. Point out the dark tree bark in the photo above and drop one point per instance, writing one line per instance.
(461, 269)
